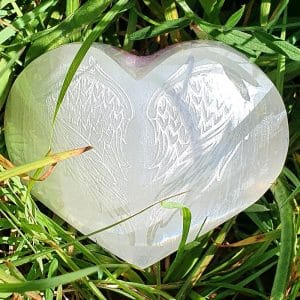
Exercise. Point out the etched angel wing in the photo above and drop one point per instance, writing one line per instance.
(96, 112)
(216, 107)
(171, 131)
(192, 116)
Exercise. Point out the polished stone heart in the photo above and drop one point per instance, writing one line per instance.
(196, 120)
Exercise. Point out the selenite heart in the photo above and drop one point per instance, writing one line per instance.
(196, 119)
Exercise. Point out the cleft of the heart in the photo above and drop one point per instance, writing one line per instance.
(196, 123)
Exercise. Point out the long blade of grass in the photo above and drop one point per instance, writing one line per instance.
(287, 240)
(71, 6)
(171, 13)
(22, 21)
(42, 284)
(87, 13)
(186, 223)
(46, 161)
(155, 7)
(5, 82)
(265, 8)
(204, 262)
(259, 238)
(235, 18)
(128, 218)
(165, 27)
(132, 21)
(97, 31)
(281, 60)
(258, 41)
(278, 11)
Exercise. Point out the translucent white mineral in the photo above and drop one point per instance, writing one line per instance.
(196, 118)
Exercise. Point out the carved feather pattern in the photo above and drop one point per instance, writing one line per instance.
(191, 115)
(109, 113)
(171, 137)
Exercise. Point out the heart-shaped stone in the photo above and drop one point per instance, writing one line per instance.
(196, 120)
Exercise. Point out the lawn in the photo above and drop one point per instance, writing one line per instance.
(255, 255)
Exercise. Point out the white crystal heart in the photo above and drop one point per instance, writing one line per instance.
(195, 118)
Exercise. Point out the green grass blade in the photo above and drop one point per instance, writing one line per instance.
(155, 7)
(97, 31)
(235, 18)
(186, 223)
(22, 21)
(200, 267)
(208, 5)
(71, 6)
(171, 13)
(281, 60)
(278, 45)
(5, 80)
(265, 8)
(287, 240)
(165, 27)
(86, 14)
(42, 284)
(127, 218)
(132, 21)
(278, 11)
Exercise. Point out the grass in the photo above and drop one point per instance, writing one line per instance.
(253, 256)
